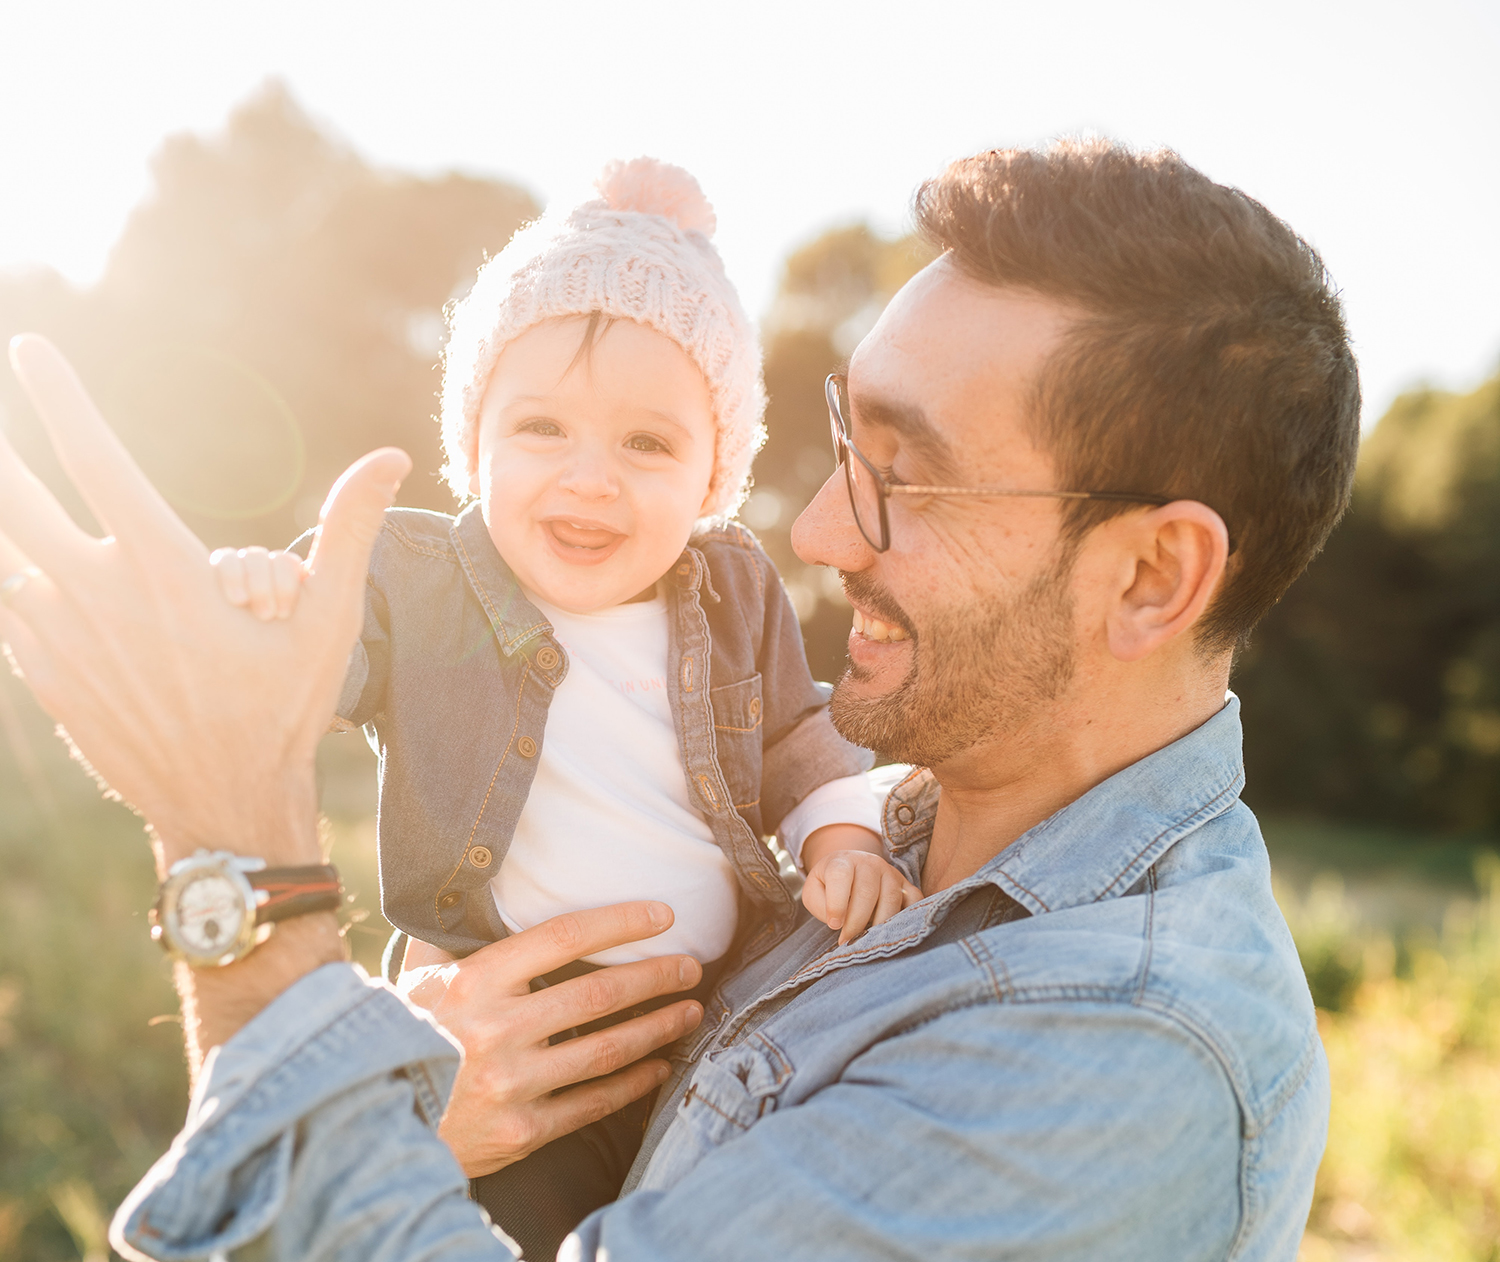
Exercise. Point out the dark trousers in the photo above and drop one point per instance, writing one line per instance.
(538, 1200)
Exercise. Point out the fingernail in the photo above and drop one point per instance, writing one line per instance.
(687, 971)
(660, 914)
(663, 1072)
(835, 922)
(694, 1015)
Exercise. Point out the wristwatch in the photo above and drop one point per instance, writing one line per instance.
(215, 907)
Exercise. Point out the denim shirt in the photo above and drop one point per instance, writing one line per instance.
(454, 672)
(1100, 1046)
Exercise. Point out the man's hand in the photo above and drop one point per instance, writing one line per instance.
(503, 1106)
(204, 720)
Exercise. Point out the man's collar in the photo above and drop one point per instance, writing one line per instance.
(1101, 844)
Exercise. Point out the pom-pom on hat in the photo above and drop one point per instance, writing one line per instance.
(640, 251)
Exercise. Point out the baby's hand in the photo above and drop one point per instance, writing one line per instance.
(850, 890)
(266, 583)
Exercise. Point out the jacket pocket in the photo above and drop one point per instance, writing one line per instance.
(738, 712)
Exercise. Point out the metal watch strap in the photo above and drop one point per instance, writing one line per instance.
(295, 891)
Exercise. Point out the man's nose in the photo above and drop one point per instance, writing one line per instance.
(825, 534)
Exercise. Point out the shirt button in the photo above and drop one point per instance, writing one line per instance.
(450, 900)
(684, 570)
(527, 746)
(547, 659)
(904, 814)
(754, 706)
(480, 856)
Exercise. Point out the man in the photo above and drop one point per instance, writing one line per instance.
(1083, 453)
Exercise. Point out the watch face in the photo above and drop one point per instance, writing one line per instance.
(210, 913)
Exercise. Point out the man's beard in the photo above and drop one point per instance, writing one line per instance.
(978, 672)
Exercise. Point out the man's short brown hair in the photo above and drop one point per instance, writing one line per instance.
(1212, 362)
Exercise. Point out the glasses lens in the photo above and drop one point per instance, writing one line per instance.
(864, 490)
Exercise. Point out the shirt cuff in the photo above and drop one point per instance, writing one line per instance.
(848, 800)
(226, 1178)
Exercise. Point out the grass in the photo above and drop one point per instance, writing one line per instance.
(1400, 936)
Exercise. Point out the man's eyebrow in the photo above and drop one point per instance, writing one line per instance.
(912, 424)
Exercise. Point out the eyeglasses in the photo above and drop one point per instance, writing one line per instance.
(869, 490)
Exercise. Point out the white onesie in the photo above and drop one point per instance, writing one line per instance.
(608, 818)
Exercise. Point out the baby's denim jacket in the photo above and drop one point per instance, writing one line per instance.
(452, 677)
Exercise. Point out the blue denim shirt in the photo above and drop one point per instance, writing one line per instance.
(1100, 1046)
(454, 673)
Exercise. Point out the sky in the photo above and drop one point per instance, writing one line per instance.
(1372, 127)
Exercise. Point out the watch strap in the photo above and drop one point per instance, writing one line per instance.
(282, 893)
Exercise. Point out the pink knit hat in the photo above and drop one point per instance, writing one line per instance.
(640, 252)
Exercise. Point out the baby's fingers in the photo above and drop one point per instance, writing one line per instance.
(838, 884)
(259, 583)
(815, 895)
(893, 896)
(864, 898)
(230, 571)
(286, 581)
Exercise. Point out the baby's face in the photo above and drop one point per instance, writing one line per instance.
(592, 474)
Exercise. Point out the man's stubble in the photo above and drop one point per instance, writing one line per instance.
(978, 673)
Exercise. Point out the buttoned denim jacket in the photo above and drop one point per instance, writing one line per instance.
(1098, 1048)
(454, 672)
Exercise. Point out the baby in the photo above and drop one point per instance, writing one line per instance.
(589, 686)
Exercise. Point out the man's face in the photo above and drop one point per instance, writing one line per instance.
(963, 630)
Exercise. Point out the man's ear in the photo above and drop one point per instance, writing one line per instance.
(1172, 564)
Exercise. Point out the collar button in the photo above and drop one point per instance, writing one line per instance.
(904, 814)
(547, 658)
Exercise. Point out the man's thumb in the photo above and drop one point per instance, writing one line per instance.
(351, 519)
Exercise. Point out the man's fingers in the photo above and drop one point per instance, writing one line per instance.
(35, 520)
(350, 521)
(537, 951)
(568, 1110)
(608, 990)
(121, 496)
(606, 1051)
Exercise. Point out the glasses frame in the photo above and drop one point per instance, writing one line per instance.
(843, 447)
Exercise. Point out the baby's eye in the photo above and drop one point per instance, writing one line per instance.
(542, 425)
(646, 442)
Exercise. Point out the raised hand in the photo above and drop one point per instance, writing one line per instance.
(204, 720)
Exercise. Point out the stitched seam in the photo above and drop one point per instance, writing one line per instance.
(694, 1094)
(489, 789)
(421, 549)
(1140, 992)
(1040, 901)
(495, 620)
(724, 727)
(1202, 814)
(745, 806)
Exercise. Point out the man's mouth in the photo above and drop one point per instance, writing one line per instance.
(874, 629)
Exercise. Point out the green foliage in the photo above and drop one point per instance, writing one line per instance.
(1412, 1168)
(1372, 692)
